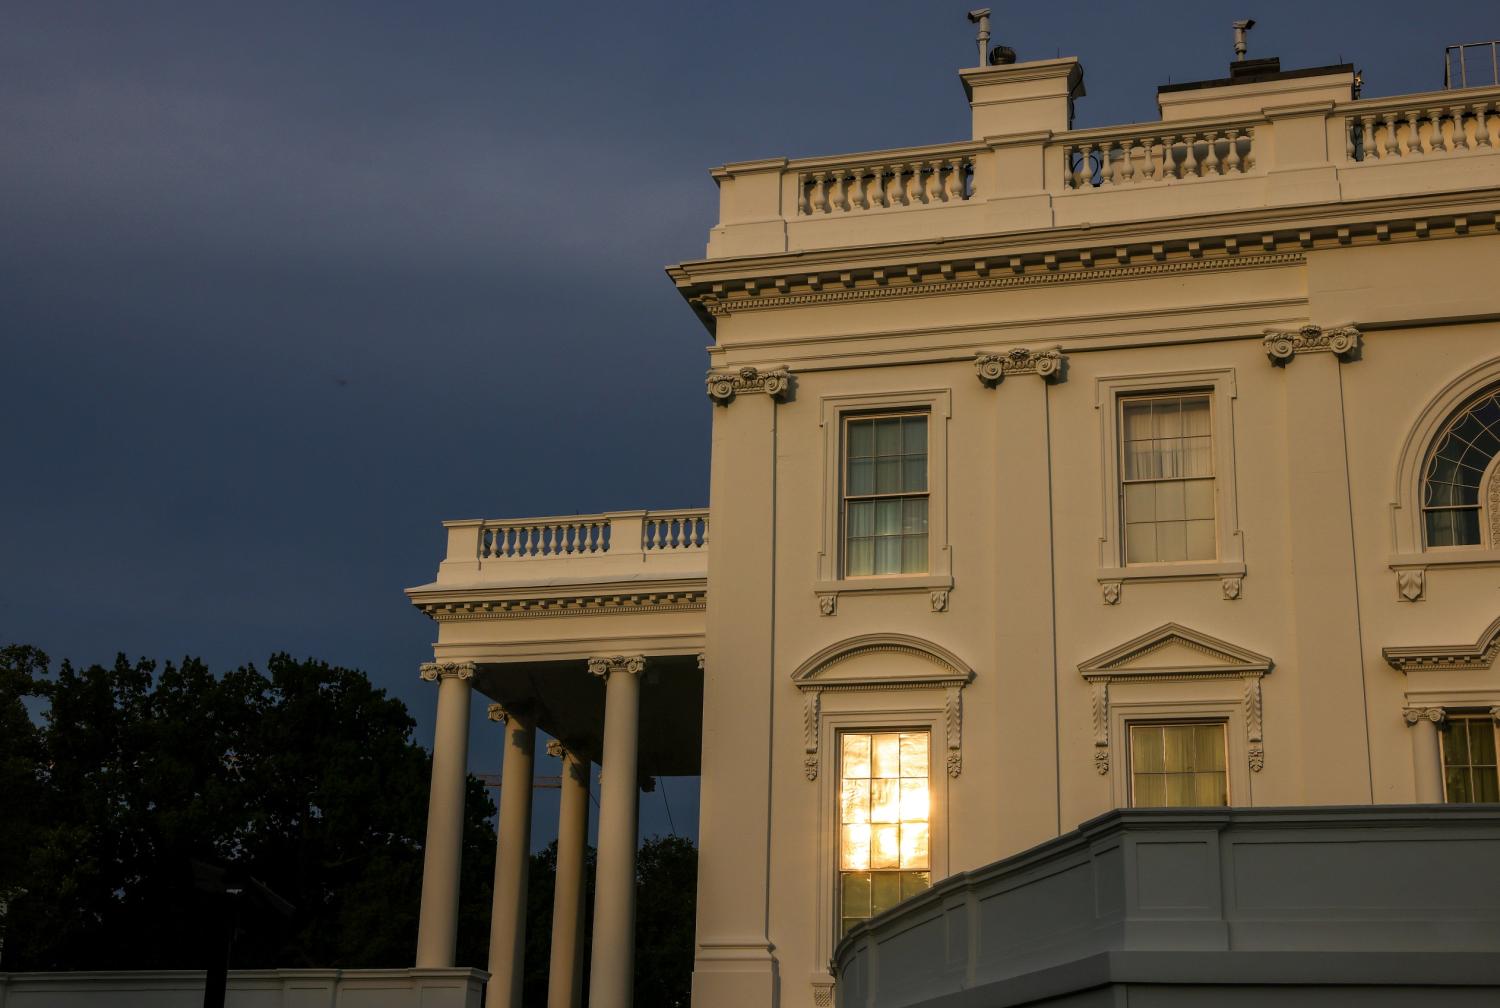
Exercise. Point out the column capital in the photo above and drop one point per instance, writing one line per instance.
(604, 667)
(993, 367)
(1282, 345)
(725, 385)
(1416, 715)
(432, 671)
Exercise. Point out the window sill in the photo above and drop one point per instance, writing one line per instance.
(1452, 556)
(1204, 570)
(884, 583)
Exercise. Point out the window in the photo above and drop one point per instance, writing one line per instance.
(1178, 765)
(1451, 484)
(885, 495)
(1469, 772)
(884, 854)
(1167, 478)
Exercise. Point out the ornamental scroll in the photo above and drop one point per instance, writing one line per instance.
(993, 367)
(1282, 345)
(725, 385)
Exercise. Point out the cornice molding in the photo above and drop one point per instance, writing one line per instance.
(1283, 345)
(719, 305)
(993, 367)
(1477, 656)
(723, 386)
(433, 671)
(570, 604)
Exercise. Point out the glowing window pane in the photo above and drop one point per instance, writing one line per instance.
(885, 801)
(854, 801)
(854, 853)
(914, 754)
(914, 800)
(913, 845)
(856, 756)
(885, 758)
(885, 846)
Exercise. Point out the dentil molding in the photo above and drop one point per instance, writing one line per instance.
(723, 386)
(1477, 656)
(1283, 345)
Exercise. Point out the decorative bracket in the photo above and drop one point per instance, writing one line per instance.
(1411, 583)
(725, 385)
(433, 671)
(1283, 345)
(993, 367)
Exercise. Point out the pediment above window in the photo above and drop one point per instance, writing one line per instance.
(1478, 655)
(882, 662)
(1173, 651)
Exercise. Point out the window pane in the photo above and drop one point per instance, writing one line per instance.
(861, 439)
(914, 755)
(1456, 784)
(887, 554)
(861, 559)
(1198, 498)
(1171, 541)
(1486, 783)
(861, 477)
(914, 473)
(1149, 791)
(914, 555)
(1196, 416)
(861, 519)
(854, 801)
(914, 845)
(1481, 742)
(914, 515)
(1146, 749)
(1178, 743)
(1208, 745)
(885, 800)
(885, 846)
(914, 435)
(888, 474)
(1208, 789)
(1169, 501)
(1136, 420)
(1140, 502)
(888, 517)
(888, 436)
(856, 756)
(1180, 791)
(914, 882)
(885, 755)
(885, 891)
(1200, 540)
(1455, 735)
(857, 894)
(854, 849)
(1140, 543)
(914, 806)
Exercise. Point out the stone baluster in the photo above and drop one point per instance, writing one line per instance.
(1234, 161)
(839, 194)
(818, 199)
(1392, 139)
(804, 195)
(912, 194)
(953, 189)
(932, 189)
(894, 191)
(1368, 147)
(858, 193)
(1127, 162)
(1491, 130)
(1192, 164)
(1463, 117)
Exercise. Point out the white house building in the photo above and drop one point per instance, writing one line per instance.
(1142, 477)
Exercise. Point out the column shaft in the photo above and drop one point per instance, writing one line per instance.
(1424, 756)
(512, 859)
(612, 972)
(437, 928)
(565, 974)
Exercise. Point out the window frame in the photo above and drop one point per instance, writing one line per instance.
(1122, 403)
(937, 403)
(1197, 701)
(1469, 715)
(1488, 508)
(1110, 394)
(1129, 747)
(846, 419)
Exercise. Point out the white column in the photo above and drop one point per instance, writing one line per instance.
(612, 969)
(565, 975)
(1424, 752)
(512, 859)
(437, 928)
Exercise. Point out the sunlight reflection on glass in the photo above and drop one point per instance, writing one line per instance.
(855, 853)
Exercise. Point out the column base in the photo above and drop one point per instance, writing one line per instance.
(734, 976)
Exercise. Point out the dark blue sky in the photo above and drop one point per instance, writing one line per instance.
(284, 285)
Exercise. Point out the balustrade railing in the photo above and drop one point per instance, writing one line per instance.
(1412, 130)
(1162, 155)
(909, 182)
(594, 535)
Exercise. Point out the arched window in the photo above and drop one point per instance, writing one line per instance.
(1458, 469)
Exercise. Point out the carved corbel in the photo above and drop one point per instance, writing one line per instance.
(605, 667)
(939, 600)
(1411, 583)
(1254, 732)
(1101, 726)
(723, 386)
(1283, 345)
(1111, 591)
(433, 671)
(954, 717)
(992, 368)
(828, 604)
(1232, 586)
(812, 702)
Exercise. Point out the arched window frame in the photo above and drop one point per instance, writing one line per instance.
(1408, 517)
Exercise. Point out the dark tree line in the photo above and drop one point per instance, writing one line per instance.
(304, 777)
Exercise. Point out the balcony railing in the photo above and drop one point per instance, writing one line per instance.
(1166, 153)
(1395, 130)
(594, 535)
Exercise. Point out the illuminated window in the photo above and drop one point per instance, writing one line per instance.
(1167, 462)
(1461, 456)
(885, 495)
(883, 822)
(1469, 772)
(1178, 766)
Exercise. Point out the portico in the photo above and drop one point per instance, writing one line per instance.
(619, 684)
